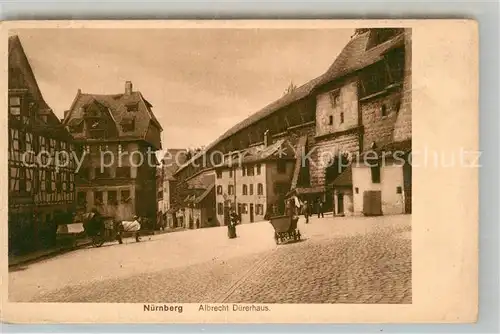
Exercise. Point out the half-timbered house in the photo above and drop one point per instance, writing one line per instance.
(41, 164)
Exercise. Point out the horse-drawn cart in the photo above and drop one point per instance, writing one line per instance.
(285, 228)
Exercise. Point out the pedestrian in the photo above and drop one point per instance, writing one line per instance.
(119, 230)
(306, 211)
(231, 228)
(322, 208)
(197, 223)
(137, 222)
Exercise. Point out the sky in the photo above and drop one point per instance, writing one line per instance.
(200, 82)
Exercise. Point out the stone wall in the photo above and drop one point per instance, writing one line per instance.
(402, 128)
(379, 128)
(337, 114)
(323, 150)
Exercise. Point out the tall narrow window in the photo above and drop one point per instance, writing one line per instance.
(98, 198)
(375, 170)
(281, 165)
(251, 189)
(245, 189)
(258, 169)
(383, 110)
(341, 117)
(260, 189)
(330, 120)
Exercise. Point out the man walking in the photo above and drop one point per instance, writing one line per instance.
(306, 211)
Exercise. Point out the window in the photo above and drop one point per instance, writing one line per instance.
(81, 198)
(251, 189)
(243, 171)
(219, 174)
(220, 209)
(341, 117)
(375, 170)
(259, 209)
(245, 189)
(102, 172)
(330, 120)
(123, 172)
(399, 190)
(281, 164)
(159, 196)
(356, 190)
(230, 173)
(245, 208)
(128, 124)
(260, 189)
(219, 190)
(258, 169)
(98, 198)
(133, 107)
(112, 197)
(125, 196)
(335, 98)
(230, 189)
(15, 106)
(250, 170)
(383, 110)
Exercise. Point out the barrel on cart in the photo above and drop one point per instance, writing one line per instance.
(285, 228)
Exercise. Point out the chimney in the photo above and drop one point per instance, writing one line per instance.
(266, 138)
(128, 87)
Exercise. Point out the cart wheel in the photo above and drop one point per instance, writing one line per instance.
(97, 241)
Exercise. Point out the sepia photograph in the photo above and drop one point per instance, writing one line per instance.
(231, 169)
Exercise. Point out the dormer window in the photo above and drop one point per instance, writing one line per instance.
(133, 107)
(128, 124)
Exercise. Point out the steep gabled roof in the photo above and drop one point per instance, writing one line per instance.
(19, 61)
(295, 95)
(356, 56)
(117, 106)
(22, 78)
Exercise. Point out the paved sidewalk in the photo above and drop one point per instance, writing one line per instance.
(17, 260)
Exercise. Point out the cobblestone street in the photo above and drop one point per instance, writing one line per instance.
(341, 260)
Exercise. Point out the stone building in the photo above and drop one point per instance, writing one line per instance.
(253, 181)
(41, 189)
(362, 101)
(168, 205)
(118, 136)
(198, 206)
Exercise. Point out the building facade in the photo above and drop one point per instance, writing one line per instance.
(169, 203)
(117, 136)
(41, 166)
(362, 101)
(254, 182)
